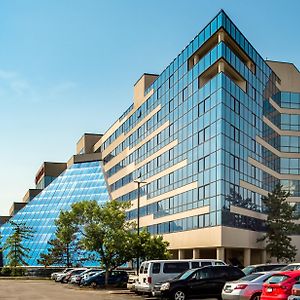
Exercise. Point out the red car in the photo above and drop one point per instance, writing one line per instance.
(279, 285)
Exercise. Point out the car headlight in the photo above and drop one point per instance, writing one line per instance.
(165, 286)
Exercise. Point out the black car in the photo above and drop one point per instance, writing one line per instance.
(115, 278)
(205, 282)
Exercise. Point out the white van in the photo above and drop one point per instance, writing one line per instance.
(154, 271)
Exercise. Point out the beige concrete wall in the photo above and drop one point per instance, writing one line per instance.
(86, 142)
(31, 193)
(219, 236)
(288, 74)
(84, 158)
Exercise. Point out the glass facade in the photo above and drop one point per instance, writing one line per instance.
(214, 123)
(82, 181)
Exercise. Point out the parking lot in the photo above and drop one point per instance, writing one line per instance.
(46, 289)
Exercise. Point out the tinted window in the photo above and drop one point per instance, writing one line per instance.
(250, 277)
(205, 263)
(219, 263)
(142, 269)
(204, 273)
(248, 270)
(277, 279)
(175, 267)
(156, 268)
(146, 268)
(195, 264)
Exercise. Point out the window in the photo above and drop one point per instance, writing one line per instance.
(171, 178)
(206, 191)
(201, 108)
(203, 135)
(171, 81)
(195, 264)
(176, 267)
(235, 133)
(171, 105)
(236, 106)
(200, 165)
(184, 94)
(171, 129)
(171, 154)
(205, 263)
(156, 268)
(253, 119)
(204, 274)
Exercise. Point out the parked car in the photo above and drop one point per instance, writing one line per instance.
(64, 278)
(76, 279)
(116, 278)
(291, 267)
(131, 283)
(205, 282)
(295, 292)
(246, 288)
(155, 271)
(261, 268)
(55, 274)
(279, 285)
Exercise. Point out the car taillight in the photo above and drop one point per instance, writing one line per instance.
(241, 286)
(149, 280)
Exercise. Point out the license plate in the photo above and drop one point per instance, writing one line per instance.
(269, 290)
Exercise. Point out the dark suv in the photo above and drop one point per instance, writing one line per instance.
(205, 282)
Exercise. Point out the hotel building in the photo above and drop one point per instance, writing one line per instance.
(209, 136)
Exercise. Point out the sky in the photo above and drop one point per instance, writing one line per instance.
(69, 66)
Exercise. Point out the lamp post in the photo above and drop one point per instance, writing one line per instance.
(138, 220)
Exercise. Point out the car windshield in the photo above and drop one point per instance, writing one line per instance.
(248, 270)
(185, 274)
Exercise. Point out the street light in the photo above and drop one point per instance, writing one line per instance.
(138, 220)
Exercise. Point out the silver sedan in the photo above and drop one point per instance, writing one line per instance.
(248, 287)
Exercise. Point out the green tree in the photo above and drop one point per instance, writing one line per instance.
(16, 252)
(149, 247)
(279, 225)
(65, 248)
(105, 231)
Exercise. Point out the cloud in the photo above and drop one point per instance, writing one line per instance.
(15, 87)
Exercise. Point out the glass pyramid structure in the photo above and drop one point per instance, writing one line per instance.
(82, 181)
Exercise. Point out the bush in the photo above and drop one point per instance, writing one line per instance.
(6, 271)
(17, 272)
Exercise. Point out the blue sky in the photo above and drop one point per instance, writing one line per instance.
(68, 66)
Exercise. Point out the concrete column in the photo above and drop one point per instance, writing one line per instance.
(196, 253)
(247, 257)
(180, 254)
(221, 253)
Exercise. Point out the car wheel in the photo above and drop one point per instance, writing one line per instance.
(255, 297)
(93, 285)
(179, 295)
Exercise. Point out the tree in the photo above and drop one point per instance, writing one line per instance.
(17, 253)
(65, 248)
(279, 225)
(148, 247)
(105, 231)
